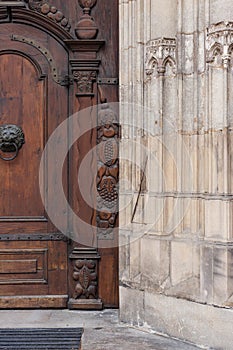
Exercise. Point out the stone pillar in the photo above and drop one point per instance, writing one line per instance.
(176, 225)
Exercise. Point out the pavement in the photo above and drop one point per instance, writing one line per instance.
(102, 329)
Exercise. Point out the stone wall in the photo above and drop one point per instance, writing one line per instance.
(176, 89)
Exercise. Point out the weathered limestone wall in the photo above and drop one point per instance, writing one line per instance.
(176, 87)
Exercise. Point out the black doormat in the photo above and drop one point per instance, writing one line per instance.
(40, 338)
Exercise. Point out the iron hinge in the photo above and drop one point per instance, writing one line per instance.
(108, 81)
(67, 80)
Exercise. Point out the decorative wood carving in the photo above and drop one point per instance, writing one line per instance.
(84, 75)
(86, 27)
(219, 44)
(108, 171)
(44, 8)
(159, 54)
(84, 81)
(85, 278)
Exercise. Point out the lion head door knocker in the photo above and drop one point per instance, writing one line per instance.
(11, 140)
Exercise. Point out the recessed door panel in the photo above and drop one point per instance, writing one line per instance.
(22, 104)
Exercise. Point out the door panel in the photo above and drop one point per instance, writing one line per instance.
(33, 255)
(23, 107)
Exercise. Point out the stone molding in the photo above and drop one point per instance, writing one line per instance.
(160, 53)
(219, 42)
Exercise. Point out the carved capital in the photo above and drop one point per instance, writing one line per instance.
(219, 44)
(160, 54)
(84, 75)
(84, 81)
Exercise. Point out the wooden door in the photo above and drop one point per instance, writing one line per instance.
(33, 255)
(51, 67)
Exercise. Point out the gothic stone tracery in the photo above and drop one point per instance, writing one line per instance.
(219, 44)
(160, 53)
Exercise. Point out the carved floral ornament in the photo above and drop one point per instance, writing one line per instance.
(160, 54)
(219, 44)
(84, 81)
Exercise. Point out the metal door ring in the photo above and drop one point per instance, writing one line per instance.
(14, 156)
(11, 140)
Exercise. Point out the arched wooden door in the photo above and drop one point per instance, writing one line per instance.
(46, 74)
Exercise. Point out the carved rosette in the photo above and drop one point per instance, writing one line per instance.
(108, 171)
(219, 44)
(85, 279)
(159, 54)
(44, 8)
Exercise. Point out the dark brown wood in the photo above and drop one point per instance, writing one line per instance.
(32, 99)
(84, 282)
(46, 75)
(33, 302)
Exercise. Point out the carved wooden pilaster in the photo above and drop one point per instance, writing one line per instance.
(84, 281)
(84, 65)
(108, 171)
(83, 274)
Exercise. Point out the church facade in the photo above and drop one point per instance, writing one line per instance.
(176, 86)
